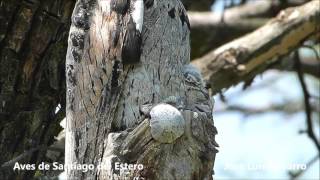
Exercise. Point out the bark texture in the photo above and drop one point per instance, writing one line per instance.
(243, 58)
(33, 41)
(106, 100)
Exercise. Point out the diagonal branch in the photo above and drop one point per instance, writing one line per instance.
(207, 28)
(250, 55)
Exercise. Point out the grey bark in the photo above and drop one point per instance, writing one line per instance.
(105, 123)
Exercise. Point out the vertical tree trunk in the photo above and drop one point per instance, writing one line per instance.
(116, 111)
(33, 39)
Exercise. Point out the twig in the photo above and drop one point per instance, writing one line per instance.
(289, 107)
(306, 101)
(314, 51)
(295, 175)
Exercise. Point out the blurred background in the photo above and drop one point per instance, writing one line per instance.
(262, 129)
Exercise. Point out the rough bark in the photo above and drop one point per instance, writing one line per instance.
(106, 117)
(33, 41)
(242, 59)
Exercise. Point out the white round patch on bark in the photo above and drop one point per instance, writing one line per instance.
(167, 123)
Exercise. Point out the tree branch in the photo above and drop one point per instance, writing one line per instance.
(245, 57)
(207, 28)
(309, 65)
(213, 20)
(307, 96)
(288, 107)
(296, 174)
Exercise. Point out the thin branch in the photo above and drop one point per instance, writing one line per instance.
(287, 107)
(246, 12)
(297, 174)
(308, 109)
(316, 53)
(208, 32)
(226, 20)
(310, 65)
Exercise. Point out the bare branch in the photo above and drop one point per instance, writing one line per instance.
(288, 107)
(316, 53)
(250, 55)
(308, 109)
(295, 175)
(309, 65)
(209, 32)
(213, 20)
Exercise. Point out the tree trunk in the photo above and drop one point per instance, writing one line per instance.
(155, 113)
(33, 41)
